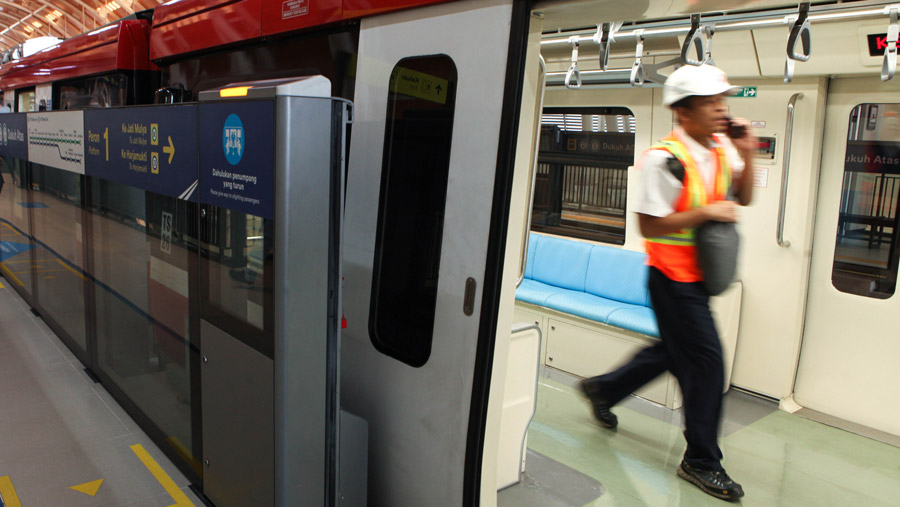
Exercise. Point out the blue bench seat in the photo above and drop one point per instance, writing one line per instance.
(594, 282)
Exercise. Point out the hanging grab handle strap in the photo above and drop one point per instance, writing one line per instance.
(605, 36)
(800, 30)
(694, 39)
(710, 31)
(637, 70)
(573, 71)
(889, 65)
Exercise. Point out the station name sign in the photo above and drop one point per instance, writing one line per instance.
(873, 157)
(877, 43)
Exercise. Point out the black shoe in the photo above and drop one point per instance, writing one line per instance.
(601, 407)
(713, 482)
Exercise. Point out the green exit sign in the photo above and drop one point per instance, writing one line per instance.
(746, 91)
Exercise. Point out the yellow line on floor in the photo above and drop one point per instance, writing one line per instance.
(13, 229)
(181, 500)
(69, 268)
(10, 498)
(11, 275)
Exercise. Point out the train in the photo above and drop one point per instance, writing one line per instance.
(373, 318)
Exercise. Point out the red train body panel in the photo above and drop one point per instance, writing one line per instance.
(119, 46)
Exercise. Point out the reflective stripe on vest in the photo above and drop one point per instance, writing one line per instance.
(675, 254)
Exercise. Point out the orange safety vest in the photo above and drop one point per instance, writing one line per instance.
(675, 254)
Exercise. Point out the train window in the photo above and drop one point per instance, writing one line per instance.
(415, 169)
(582, 180)
(26, 101)
(102, 91)
(865, 252)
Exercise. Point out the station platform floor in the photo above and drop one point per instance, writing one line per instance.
(779, 458)
(64, 441)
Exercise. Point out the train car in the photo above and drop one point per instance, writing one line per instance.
(486, 142)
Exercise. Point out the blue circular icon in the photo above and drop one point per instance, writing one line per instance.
(233, 139)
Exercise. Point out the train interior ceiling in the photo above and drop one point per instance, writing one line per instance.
(180, 305)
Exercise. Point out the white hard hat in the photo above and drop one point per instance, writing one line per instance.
(691, 80)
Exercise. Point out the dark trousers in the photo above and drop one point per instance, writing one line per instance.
(690, 349)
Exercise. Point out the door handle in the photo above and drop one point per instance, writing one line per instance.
(469, 299)
(786, 167)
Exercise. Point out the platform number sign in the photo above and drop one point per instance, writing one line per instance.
(165, 239)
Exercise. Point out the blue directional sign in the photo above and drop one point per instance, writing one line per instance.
(152, 148)
(237, 156)
(13, 135)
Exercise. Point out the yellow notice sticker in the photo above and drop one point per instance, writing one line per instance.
(419, 85)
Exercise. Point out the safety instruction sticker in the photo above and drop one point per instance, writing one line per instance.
(237, 156)
(293, 8)
(152, 148)
(419, 85)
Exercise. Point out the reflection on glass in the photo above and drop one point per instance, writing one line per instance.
(59, 259)
(236, 265)
(15, 224)
(26, 102)
(865, 254)
(141, 263)
(582, 179)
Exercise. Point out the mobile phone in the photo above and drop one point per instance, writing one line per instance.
(735, 131)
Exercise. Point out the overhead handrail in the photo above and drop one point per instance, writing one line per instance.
(889, 64)
(694, 39)
(637, 70)
(605, 36)
(573, 68)
(733, 22)
(786, 157)
(800, 30)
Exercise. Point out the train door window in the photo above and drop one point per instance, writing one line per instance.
(415, 171)
(582, 181)
(865, 253)
(26, 102)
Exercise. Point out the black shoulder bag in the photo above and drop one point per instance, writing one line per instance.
(717, 246)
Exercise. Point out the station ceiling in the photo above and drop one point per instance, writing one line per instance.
(21, 20)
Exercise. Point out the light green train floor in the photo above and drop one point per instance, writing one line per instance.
(780, 459)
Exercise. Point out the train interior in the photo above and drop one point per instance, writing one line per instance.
(473, 295)
(817, 264)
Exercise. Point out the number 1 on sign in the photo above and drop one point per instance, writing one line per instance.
(106, 138)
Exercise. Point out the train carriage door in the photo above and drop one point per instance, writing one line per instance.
(431, 87)
(848, 360)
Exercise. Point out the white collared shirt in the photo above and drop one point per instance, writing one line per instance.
(660, 188)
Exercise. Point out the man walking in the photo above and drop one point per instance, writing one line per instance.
(686, 180)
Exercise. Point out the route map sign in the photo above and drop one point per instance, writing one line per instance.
(153, 148)
(56, 139)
